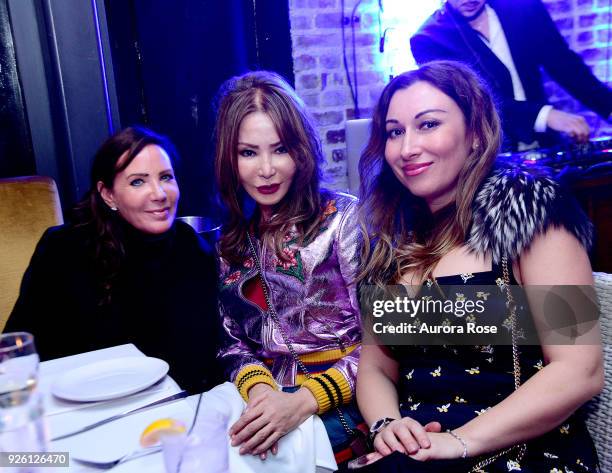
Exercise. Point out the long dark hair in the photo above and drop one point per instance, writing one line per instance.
(108, 242)
(401, 234)
(266, 92)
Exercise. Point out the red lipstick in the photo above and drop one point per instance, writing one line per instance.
(415, 169)
(271, 189)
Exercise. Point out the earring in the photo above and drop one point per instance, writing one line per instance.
(113, 208)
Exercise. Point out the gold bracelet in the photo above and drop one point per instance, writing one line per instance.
(465, 452)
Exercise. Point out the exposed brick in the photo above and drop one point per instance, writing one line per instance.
(602, 70)
(328, 20)
(321, 3)
(363, 113)
(339, 78)
(329, 118)
(368, 77)
(336, 171)
(564, 23)
(559, 7)
(585, 37)
(309, 81)
(592, 54)
(323, 80)
(333, 98)
(311, 100)
(304, 62)
(317, 40)
(335, 136)
(333, 80)
(585, 3)
(365, 59)
(330, 61)
(587, 20)
(604, 36)
(301, 22)
(364, 39)
(603, 19)
(368, 20)
(339, 155)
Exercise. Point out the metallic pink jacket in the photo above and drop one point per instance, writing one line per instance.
(312, 294)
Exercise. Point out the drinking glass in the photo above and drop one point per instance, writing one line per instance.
(22, 427)
(203, 449)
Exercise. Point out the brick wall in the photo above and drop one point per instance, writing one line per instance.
(319, 72)
(321, 80)
(585, 25)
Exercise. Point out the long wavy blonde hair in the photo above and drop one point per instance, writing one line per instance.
(400, 233)
(267, 92)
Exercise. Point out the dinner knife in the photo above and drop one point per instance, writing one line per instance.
(167, 399)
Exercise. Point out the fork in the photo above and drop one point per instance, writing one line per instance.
(113, 463)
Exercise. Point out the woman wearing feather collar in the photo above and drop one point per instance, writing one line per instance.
(438, 212)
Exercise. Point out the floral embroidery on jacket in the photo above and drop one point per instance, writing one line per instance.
(292, 265)
(232, 278)
(330, 208)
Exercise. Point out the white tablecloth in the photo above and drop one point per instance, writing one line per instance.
(116, 438)
(121, 437)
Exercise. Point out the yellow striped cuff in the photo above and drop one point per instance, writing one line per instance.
(327, 355)
(249, 376)
(330, 389)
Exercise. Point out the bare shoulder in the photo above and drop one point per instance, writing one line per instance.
(555, 256)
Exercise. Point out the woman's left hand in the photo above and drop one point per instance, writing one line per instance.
(443, 447)
(268, 417)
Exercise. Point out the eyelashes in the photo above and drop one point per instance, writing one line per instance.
(425, 125)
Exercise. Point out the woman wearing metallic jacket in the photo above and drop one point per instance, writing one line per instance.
(306, 242)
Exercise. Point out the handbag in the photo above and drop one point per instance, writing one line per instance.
(341, 438)
(521, 448)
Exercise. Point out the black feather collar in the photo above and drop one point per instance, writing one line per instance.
(514, 205)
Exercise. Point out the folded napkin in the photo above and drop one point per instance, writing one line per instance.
(304, 450)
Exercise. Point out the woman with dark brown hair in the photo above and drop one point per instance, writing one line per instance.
(288, 256)
(440, 213)
(124, 271)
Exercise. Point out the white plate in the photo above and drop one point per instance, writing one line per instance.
(109, 379)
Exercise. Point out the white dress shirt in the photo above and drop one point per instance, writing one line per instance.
(499, 46)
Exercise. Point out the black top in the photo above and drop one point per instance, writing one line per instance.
(163, 301)
(454, 384)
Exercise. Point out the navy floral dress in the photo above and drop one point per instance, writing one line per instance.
(454, 384)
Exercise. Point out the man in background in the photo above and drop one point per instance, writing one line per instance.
(506, 42)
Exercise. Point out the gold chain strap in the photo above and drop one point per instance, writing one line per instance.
(275, 318)
(511, 304)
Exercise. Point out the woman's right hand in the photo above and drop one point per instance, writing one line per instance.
(269, 415)
(404, 435)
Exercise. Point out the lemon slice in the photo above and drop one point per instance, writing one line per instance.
(153, 433)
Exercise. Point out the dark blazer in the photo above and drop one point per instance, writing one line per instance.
(164, 300)
(534, 42)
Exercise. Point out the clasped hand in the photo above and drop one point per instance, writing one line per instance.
(268, 416)
(421, 443)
